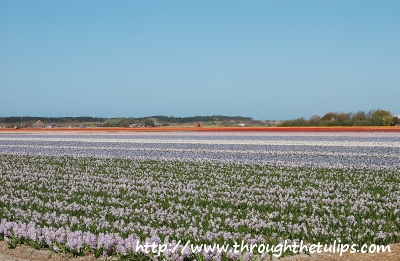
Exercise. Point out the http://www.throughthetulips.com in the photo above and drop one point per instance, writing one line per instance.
(276, 250)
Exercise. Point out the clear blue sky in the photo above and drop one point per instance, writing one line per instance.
(262, 59)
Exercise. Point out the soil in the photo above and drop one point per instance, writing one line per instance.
(25, 253)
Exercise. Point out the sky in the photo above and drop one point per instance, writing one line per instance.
(261, 59)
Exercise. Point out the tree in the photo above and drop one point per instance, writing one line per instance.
(296, 122)
(314, 120)
(149, 122)
(129, 121)
(396, 120)
(381, 117)
(360, 116)
(388, 120)
(344, 119)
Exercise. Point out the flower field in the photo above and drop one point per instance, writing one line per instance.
(105, 193)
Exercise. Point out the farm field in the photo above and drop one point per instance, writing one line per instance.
(105, 193)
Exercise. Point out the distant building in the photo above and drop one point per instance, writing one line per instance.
(242, 125)
(38, 124)
(133, 125)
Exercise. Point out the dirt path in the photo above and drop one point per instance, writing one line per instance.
(25, 253)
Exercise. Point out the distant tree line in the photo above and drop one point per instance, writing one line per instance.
(172, 119)
(372, 118)
(8, 120)
(121, 121)
(149, 121)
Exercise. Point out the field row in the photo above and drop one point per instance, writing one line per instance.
(104, 194)
(394, 129)
(363, 150)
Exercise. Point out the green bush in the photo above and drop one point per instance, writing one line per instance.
(362, 123)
